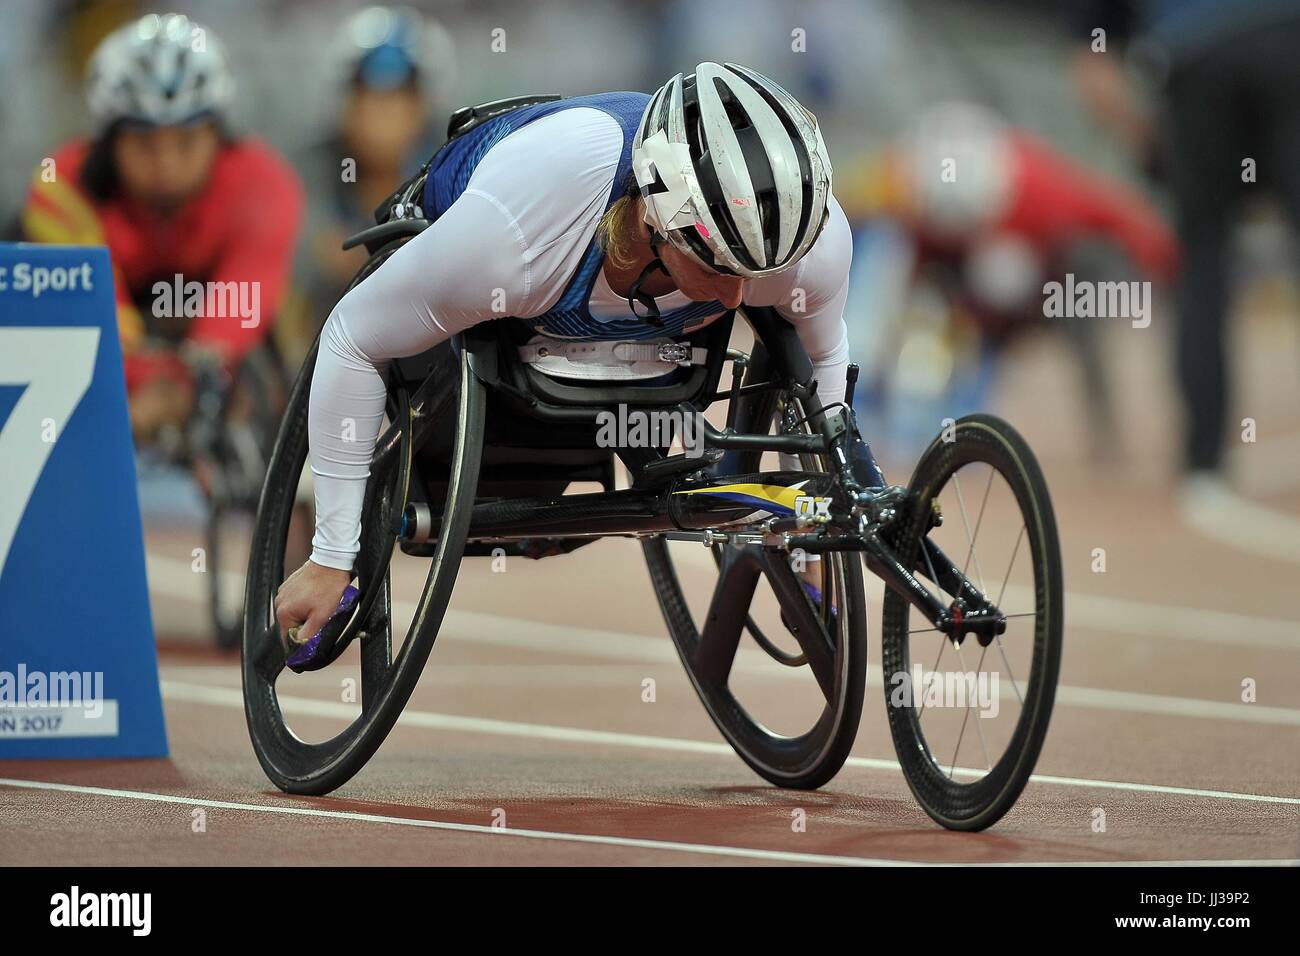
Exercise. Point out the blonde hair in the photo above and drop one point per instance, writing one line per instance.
(619, 230)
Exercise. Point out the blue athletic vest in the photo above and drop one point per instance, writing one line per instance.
(570, 317)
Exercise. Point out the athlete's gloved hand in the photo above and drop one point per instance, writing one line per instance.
(308, 598)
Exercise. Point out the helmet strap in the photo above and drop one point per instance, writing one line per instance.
(635, 296)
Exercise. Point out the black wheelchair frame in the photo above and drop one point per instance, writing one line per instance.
(664, 496)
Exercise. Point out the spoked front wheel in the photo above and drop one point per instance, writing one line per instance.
(456, 401)
(969, 716)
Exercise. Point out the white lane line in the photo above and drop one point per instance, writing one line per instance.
(1110, 863)
(545, 672)
(1248, 526)
(231, 697)
(1147, 619)
(1267, 467)
(308, 707)
(1165, 705)
(703, 849)
(484, 628)
(1095, 612)
(1138, 618)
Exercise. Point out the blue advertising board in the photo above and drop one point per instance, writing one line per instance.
(78, 664)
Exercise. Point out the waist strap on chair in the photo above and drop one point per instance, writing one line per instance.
(611, 360)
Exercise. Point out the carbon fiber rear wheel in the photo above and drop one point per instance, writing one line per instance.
(386, 676)
(819, 679)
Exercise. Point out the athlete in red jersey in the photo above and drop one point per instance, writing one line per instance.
(961, 177)
(988, 216)
(200, 225)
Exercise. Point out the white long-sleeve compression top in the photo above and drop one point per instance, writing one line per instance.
(509, 245)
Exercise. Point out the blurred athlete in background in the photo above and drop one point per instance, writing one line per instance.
(982, 235)
(1230, 81)
(171, 191)
(394, 67)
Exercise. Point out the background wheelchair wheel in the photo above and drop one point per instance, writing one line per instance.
(225, 598)
(386, 678)
(709, 640)
(967, 765)
(242, 441)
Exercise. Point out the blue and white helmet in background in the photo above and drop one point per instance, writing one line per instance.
(385, 48)
(162, 69)
(733, 170)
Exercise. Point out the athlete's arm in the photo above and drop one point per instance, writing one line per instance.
(811, 296)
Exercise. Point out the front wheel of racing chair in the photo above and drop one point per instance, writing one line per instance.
(829, 659)
(967, 759)
(449, 394)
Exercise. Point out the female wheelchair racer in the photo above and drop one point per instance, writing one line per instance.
(731, 180)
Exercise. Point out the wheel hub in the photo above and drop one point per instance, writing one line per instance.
(985, 622)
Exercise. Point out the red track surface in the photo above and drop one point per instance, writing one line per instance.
(532, 705)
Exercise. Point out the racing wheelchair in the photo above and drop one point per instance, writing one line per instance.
(476, 457)
(230, 438)
(226, 444)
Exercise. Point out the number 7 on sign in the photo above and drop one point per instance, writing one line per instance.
(56, 365)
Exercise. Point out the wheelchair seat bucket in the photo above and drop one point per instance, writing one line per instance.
(495, 360)
(541, 432)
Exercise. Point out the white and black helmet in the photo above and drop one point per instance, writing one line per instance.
(162, 69)
(733, 170)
